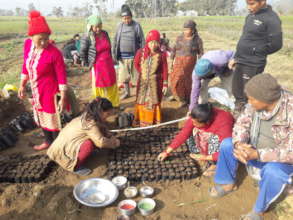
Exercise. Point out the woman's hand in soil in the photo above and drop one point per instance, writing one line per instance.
(21, 92)
(162, 156)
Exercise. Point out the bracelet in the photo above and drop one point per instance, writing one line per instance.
(166, 153)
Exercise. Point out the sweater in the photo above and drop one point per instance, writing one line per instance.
(261, 36)
(221, 125)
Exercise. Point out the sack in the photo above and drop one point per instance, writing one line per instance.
(124, 120)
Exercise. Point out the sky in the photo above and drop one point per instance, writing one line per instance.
(45, 6)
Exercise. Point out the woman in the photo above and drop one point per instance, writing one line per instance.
(45, 69)
(151, 65)
(184, 55)
(208, 128)
(78, 139)
(95, 50)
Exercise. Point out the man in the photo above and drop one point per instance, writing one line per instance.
(128, 39)
(212, 64)
(263, 139)
(262, 35)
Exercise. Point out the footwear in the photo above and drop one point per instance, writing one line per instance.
(210, 171)
(251, 216)
(126, 93)
(82, 171)
(171, 98)
(220, 192)
(43, 146)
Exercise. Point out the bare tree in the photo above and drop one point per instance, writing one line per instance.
(31, 7)
(57, 11)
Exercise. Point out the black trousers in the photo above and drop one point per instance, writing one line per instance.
(50, 136)
(242, 74)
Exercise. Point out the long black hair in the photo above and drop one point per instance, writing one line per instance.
(93, 111)
(203, 113)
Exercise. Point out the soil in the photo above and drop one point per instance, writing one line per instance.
(53, 199)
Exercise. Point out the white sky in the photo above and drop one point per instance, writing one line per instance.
(45, 6)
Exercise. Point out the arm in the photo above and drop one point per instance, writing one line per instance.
(24, 74)
(84, 48)
(140, 36)
(241, 130)
(60, 71)
(200, 47)
(183, 135)
(137, 60)
(275, 36)
(100, 141)
(114, 51)
(196, 85)
(165, 69)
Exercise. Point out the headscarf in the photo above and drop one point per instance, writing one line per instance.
(153, 35)
(93, 20)
(192, 25)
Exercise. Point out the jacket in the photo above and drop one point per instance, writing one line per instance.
(221, 126)
(88, 49)
(261, 36)
(64, 150)
(282, 130)
(139, 39)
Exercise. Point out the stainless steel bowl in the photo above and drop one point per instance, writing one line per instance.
(95, 192)
(146, 191)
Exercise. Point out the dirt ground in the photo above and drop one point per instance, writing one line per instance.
(53, 199)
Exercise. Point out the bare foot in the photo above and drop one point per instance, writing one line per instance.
(210, 171)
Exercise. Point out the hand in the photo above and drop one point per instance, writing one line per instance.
(117, 142)
(62, 104)
(21, 92)
(245, 152)
(201, 157)
(231, 64)
(82, 63)
(188, 114)
(165, 90)
(162, 156)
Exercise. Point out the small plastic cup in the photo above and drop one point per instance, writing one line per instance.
(130, 192)
(146, 206)
(127, 207)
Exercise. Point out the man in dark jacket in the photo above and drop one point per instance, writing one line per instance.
(262, 35)
(128, 39)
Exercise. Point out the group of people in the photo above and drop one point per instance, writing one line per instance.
(261, 137)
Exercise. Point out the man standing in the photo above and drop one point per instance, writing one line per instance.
(263, 139)
(128, 39)
(262, 35)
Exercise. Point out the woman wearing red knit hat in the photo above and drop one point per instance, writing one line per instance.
(151, 64)
(44, 68)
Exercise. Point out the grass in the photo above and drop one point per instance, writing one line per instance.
(216, 32)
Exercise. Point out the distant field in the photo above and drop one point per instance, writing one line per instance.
(217, 33)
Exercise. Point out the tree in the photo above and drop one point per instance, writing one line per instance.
(153, 8)
(57, 11)
(209, 7)
(31, 7)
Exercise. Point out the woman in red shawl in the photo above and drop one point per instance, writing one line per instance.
(151, 64)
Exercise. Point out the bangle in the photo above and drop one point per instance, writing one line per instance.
(166, 152)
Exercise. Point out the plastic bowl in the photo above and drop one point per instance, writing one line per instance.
(146, 191)
(130, 192)
(146, 206)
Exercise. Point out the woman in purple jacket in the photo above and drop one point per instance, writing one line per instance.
(212, 64)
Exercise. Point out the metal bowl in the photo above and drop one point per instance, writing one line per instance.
(95, 192)
(146, 191)
(120, 182)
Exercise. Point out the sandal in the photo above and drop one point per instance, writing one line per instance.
(251, 216)
(82, 171)
(42, 146)
(220, 192)
(210, 171)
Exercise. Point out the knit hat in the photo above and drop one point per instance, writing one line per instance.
(37, 24)
(264, 88)
(190, 24)
(203, 67)
(153, 35)
(125, 11)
